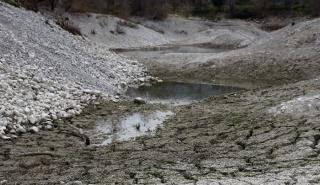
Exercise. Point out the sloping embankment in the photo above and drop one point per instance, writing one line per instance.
(47, 73)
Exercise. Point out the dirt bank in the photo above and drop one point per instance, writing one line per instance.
(287, 55)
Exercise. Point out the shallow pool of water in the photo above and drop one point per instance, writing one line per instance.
(179, 93)
(189, 49)
(132, 126)
(155, 52)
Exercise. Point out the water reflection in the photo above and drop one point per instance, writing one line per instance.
(179, 93)
(132, 126)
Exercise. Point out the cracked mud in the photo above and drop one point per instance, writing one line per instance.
(228, 139)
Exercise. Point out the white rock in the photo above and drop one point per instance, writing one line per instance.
(75, 183)
(2, 129)
(4, 137)
(20, 129)
(32, 119)
(141, 79)
(54, 117)
(3, 182)
(139, 100)
(32, 54)
(34, 88)
(34, 129)
(48, 127)
(123, 84)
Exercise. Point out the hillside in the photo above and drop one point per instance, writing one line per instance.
(45, 71)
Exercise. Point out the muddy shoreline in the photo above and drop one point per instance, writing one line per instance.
(210, 142)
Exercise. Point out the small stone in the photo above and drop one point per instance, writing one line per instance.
(32, 54)
(13, 131)
(134, 63)
(54, 117)
(75, 183)
(139, 101)
(4, 137)
(34, 129)
(153, 79)
(87, 91)
(141, 79)
(2, 129)
(21, 130)
(14, 136)
(44, 116)
(3, 182)
(48, 127)
(115, 100)
(32, 119)
(123, 84)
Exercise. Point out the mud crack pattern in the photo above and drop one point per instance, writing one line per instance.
(229, 139)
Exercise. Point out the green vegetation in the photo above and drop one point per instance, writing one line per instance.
(12, 2)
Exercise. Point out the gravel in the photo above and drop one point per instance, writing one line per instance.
(46, 73)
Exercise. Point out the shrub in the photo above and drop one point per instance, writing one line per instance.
(151, 9)
(154, 28)
(245, 12)
(120, 8)
(120, 30)
(272, 26)
(205, 12)
(315, 7)
(127, 24)
(12, 2)
(29, 4)
(68, 26)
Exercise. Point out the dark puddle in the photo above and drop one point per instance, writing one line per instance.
(156, 51)
(178, 93)
(128, 127)
(193, 49)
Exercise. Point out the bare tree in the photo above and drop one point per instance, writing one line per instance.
(218, 3)
(262, 6)
(232, 4)
(34, 4)
(315, 4)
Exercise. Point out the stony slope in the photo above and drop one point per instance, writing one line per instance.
(46, 71)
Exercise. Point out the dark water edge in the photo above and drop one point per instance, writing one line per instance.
(179, 92)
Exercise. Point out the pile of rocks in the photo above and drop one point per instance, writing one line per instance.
(46, 73)
(29, 103)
